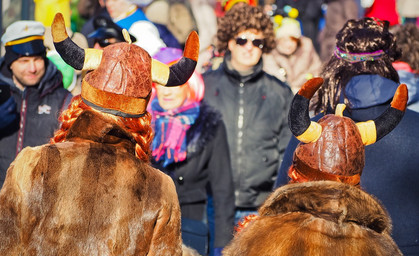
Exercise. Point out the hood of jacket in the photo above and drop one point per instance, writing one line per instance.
(51, 80)
(364, 91)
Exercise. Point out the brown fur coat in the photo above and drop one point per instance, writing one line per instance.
(317, 218)
(88, 196)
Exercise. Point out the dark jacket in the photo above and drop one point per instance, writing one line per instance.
(391, 165)
(254, 110)
(317, 218)
(207, 165)
(39, 108)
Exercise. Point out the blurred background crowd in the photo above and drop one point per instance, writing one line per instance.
(213, 134)
(305, 30)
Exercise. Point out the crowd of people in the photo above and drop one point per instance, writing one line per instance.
(199, 127)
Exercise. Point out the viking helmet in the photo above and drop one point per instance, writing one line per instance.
(333, 147)
(122, 76)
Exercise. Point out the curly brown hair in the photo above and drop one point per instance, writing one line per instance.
(140, 128)
(357, 36)
(242, 17)
(407, 37)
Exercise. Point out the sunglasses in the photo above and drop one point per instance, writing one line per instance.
(103, 42)
(256, 42)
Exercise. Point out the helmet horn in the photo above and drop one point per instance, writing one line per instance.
(299, 118)
(181, 71)
(372, 131)
(72, 54)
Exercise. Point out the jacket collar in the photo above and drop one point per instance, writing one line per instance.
(99, 128)
(330, 200)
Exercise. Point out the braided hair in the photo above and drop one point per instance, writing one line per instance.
(139, 128)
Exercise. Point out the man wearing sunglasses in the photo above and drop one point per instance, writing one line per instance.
(254, 104)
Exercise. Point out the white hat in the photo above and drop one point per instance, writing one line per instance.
(289, 27)
(23, 38)
(23, 29)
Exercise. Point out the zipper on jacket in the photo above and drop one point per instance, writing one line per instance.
(21, 132)
(240, 121)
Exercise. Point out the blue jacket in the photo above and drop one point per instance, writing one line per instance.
(391, 171)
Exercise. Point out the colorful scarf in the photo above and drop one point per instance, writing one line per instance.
(170, 127)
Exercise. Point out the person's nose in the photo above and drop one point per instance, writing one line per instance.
(249, 45)
(32, 66)
(165, 91)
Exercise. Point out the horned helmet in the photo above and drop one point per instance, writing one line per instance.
(122, 74)
(333, 148)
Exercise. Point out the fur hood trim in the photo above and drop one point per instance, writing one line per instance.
(330, 200)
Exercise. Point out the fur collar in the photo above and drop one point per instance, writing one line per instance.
(203, 130)
(330, 200)
(102, 129)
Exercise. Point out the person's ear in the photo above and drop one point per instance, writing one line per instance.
(231, 44)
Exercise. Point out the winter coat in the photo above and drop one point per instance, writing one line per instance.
(255, 111)
(207, 164)
(317, 218)
(39, 108)
(89, 196)
(391, 164)
(295, 69)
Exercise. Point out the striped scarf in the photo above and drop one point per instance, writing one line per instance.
(170, 127)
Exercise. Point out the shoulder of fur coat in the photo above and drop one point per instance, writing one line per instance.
(317, 218)
(87, 198)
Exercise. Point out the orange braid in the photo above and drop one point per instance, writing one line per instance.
(245, 221)
(142, 132)
(140, 128)
(68, 117)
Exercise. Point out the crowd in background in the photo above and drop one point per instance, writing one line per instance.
(223, 137)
